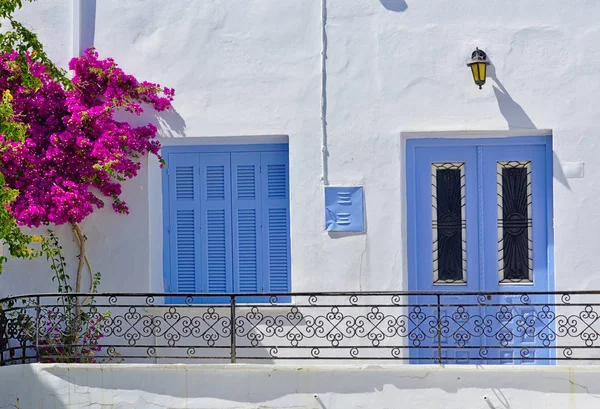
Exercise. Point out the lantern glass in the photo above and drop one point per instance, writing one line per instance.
(482, 68)
(475, 70)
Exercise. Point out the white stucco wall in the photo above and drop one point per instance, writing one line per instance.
(253, 67)
(324, 387)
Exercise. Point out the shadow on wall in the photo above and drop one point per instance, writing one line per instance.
(515, 115)
(87, 25)
(169, 123)
(56, 383)
(394, 5)
(517, 118)
(558, 172)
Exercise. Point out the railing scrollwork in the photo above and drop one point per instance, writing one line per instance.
(426, 327)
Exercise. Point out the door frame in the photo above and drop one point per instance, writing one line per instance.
(412, 143)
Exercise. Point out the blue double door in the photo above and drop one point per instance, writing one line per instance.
(479, 220)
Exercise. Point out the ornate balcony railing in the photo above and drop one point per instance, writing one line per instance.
(425, 327)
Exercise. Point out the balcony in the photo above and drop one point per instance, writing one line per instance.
(409, 327)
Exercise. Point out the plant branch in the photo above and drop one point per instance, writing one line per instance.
(81, 240)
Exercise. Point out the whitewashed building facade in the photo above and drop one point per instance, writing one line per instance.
(342, 146)
(253, 73)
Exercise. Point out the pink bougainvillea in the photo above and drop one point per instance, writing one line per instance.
(75, 153)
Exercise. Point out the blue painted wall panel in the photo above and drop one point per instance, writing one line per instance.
(344, 209)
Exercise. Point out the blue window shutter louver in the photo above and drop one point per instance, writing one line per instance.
(184, 217)
(246, 222)
(215, 203)
(226, 221)
(275, 220)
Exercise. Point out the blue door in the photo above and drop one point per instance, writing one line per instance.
(479, 222)
(515, 251)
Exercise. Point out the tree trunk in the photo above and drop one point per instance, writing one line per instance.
(82, 257)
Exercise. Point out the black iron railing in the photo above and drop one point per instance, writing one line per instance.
(425, 327)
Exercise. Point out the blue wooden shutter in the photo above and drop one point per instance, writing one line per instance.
(216, 223)
(275, 221)
(246, 222)
(184, 222)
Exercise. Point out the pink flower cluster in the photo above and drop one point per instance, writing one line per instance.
(75, 152)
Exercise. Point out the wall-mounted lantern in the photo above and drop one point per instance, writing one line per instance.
(478, 64)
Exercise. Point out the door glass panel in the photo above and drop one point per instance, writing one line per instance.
(515, 246)
(448, 223)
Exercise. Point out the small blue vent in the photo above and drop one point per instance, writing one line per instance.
(344, 209)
